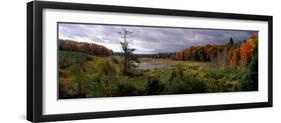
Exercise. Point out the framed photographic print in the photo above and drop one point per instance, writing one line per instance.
(96, 61)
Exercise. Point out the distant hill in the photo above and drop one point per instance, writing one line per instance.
(83, 47)
(157, 55)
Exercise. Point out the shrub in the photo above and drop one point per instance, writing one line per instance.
(153, 87)
(175, 84)
(126, 90)
(72, 84)
(198, 86)
(250, 81)
(215, 74)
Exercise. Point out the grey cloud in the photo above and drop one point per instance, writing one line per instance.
(151, 39)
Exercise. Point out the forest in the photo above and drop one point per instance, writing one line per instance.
(88, 70)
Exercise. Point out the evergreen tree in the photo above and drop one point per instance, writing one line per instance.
(231, 42)
(250, 81)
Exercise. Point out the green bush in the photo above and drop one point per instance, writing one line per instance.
(126, 90)
(73, 85)
(198, 86)
(181, 84)
(153, 87)
(214, 74)
(250, 81)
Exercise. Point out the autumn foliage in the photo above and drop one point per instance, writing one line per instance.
(246, 50)
(226, 54)
(88, 48)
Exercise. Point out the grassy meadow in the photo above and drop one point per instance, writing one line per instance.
(82, 75)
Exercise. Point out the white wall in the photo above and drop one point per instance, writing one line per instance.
(13, 61)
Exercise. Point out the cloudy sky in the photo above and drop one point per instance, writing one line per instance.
(148, 40)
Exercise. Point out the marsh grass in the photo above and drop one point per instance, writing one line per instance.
(82, 75)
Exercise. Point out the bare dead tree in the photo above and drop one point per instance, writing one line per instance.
(128, 52)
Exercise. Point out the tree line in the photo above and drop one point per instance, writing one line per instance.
(83, 47)
(231, 53)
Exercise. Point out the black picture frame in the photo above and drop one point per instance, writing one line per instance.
(35, 69)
